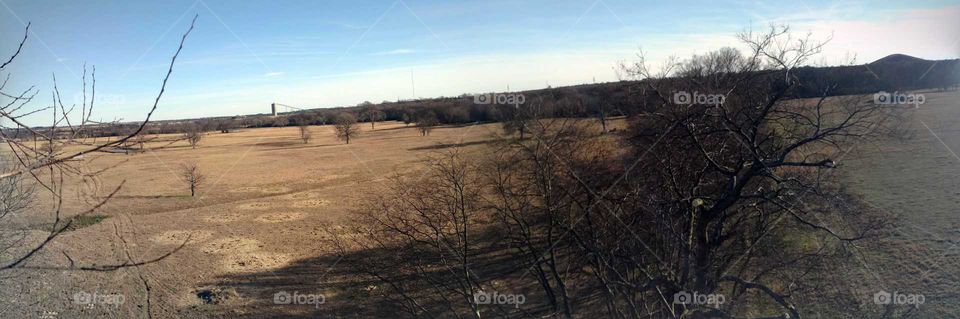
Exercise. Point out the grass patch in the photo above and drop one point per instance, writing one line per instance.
(800, 241)
(85, 220)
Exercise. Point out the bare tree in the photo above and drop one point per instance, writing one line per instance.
(598, 105)
(426, 120)
(305, 134)
(373, 115)
(428, 225)
(49, 170)
(226, 125)
(51, 148)
(517, 119)
(191, 174)
(701, 201)
(193, 135)
(534, 198)
(345, 126)
(140, 140)
(16, 194)
(726, 170)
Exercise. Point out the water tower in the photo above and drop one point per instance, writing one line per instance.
(273, 109)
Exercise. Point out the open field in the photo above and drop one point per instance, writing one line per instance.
(916, 182)
(479, 159)
(266, 197)
(255, 227)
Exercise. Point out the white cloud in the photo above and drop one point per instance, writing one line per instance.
(347, 25)
(929, 34)
(394, 52)
(451, 77)
(923, 33)
(273, 74)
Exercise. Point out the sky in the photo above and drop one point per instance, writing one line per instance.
(244, 55)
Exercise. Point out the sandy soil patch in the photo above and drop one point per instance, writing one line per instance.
(240, 254)
(224, 218)
(302, 195)
(281, 217)
(244, 189)
(274, 189)
(341, 232)
(177, 237)
(254, 261)
(231, 245)
(331, 177)
(256, 205)
(260, 189)
(309, 203)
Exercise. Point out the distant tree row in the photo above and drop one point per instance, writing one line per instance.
(598, 101)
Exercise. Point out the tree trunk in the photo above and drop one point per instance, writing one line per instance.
(603, 121)
(702, 256)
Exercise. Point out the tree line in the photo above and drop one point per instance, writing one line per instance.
(691, 200)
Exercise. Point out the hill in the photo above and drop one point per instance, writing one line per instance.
(898, 59)
(895, 72)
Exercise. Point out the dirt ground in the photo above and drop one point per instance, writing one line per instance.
(916, 182)
(255, 227)
(266, 196)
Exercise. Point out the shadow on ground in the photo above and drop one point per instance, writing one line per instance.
(293, 146)
(451, 145)
(349, 293)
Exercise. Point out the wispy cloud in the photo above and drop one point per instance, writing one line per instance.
(273, 74)
(347, 25)
(394, 52)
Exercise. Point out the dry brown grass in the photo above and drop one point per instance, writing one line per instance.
(268, 195)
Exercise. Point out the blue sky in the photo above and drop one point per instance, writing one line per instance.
(243, 55)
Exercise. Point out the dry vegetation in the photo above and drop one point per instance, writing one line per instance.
(272, 224)
(563, 217)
